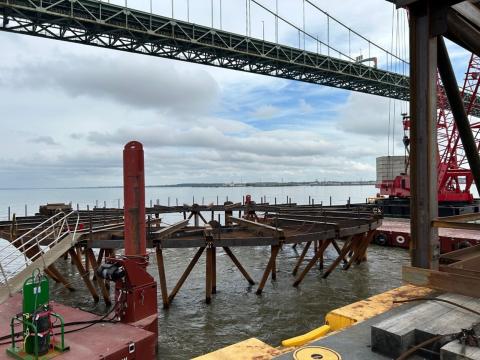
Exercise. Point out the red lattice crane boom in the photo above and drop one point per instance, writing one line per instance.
(454, 176)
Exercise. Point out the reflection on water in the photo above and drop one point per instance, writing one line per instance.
(190, 327)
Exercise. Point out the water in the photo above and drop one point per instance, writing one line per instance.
(17, 200)
(190, 327)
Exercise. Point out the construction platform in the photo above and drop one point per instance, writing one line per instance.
(378, 329)
(348, 229)
(100, 341)
(396, 232)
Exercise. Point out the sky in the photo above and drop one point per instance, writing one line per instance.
(68, 109)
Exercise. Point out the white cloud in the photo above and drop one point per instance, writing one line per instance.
(304, 107)
(265, 112)
(195, 121)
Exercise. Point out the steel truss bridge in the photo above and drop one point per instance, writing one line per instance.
(116, 27)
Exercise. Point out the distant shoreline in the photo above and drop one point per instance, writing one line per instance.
(214, 185)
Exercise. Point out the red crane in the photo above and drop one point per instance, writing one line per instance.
(454, 176)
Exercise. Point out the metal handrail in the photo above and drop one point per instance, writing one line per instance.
(58, 228)
(51, 226)
(32, 230)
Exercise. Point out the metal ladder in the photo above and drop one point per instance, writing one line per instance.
(53, 237)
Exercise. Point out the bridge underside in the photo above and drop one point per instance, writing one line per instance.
(115, 27)
(110, 26)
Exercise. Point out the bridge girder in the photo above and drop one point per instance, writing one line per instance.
(105, 25)
(111, 26)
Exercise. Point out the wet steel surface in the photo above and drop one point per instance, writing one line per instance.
(190, 327)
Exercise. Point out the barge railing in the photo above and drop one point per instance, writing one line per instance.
(16, 260)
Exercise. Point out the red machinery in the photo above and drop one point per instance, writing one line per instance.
(454, 176)
(135, 288)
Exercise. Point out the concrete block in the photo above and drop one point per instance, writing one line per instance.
(456, 351)
(395, 335)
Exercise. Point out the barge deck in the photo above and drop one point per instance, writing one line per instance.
(104, 340)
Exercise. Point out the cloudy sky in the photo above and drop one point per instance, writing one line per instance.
(68, 109)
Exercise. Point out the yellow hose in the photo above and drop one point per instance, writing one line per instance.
(310, 336)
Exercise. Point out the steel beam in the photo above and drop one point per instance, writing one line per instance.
(459, 114)
(463, 32)
(111, 26)
(134, 199)
(423, 147)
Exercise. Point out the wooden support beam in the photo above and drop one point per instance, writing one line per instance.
(238, 265)
(312, 262)
(459, 271)
(302, 256)
(337, 248)
(274, 266)
(169, 231)
(201, 217)
(360, 247)
(185, 274)
(214, 270)
(52, 268)
(423, 134)
(268, 269)
(259, 227)
(90, 257)
(455, 225)
(363, 251)
(208, 276)
(443, 281)
(52, 275)
(162, 277)
(345, 249)
(86, 262)
(85, 275)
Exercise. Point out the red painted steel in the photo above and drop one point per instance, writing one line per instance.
(108, 341)
(134, 200)
(454, 177)
(136, 294)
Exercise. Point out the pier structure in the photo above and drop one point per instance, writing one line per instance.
(101, 232)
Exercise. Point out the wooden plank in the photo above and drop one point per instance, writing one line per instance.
(459, 271)
(461, 217)
(459, 284)
(260, 227)
(468, 264)
(455, 225)
(461, 254)
(168, 231)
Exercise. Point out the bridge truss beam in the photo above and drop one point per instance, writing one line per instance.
(111, 26)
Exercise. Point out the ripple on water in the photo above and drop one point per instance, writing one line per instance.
(190, 327)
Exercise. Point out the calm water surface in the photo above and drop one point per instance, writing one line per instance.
(190, 327)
